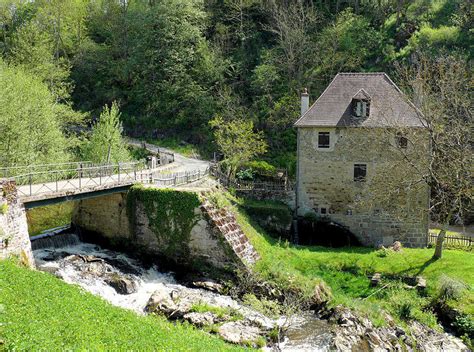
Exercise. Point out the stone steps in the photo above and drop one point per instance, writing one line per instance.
(225, 224)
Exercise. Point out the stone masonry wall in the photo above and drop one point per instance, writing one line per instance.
(107, 217)
(14, 237)
(326, 180)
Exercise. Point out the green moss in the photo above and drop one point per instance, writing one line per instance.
(4, 208)
(48, 217)
(170, 214)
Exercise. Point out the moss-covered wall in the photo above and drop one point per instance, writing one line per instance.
(159, 222)
(171, 216)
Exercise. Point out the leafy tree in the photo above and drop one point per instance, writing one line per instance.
(106, 144)
(33, 49)
(238, 141)
(30, 120)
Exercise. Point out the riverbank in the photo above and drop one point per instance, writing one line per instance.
(348, 273)
(40, 311)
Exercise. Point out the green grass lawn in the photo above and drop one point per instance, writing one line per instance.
(348, 270)
(40, 312)
(48, 217)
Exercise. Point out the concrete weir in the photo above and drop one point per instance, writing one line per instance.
(14, 238)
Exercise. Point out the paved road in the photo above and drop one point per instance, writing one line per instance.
(182, 163)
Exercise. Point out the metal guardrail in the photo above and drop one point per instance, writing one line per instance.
(179, 178)
(80, 178)
(11, 171)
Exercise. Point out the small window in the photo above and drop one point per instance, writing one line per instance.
(323, 140)
(360, 172)
(324, 211)
(402, 141)
(360, 108)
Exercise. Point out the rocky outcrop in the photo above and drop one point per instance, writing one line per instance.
(239, 332)
(14, 237)
(352, 332)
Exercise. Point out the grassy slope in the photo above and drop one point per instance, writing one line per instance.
(39, 311)
(347, 272)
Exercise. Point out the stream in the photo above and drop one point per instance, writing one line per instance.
(125, 282)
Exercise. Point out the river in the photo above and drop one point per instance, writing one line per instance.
(93, 268)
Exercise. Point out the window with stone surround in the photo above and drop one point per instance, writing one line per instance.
(360, 172)
(323, 140)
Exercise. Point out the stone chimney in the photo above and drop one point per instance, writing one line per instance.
(304, 101)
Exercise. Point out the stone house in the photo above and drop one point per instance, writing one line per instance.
(351, 142)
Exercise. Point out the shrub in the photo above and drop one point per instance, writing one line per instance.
(261, 167)
(450, 289)
(464, 325)
(245, 174)
(4, 208)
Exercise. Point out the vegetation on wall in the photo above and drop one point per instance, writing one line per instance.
(171, 215)
(48, 217)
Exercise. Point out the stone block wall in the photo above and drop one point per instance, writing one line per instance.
(14, 237)
(326, 180)
(212, 238)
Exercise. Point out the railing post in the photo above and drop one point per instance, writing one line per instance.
(174, 181)
(119, 172)
(56, 181)
(31, 184)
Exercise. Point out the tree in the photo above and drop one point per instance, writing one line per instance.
(106, 144)
(440, 89)
(438, 157)
(237, 141)
(30, 120)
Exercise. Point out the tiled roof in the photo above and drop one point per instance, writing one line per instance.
(389, 107)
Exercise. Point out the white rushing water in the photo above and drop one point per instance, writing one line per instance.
(92, 268)
(147, 280)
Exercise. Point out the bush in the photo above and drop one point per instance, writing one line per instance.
(464, 326)
(261, 167)
(245, 174)
(4, 208)
(450, 289)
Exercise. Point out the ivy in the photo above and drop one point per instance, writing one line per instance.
(170, 214)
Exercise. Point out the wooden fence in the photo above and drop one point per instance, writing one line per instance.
(244, 185)
(452, 241)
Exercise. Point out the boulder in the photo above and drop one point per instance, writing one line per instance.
(201, 319)
(239, 332)
(396, 246)
(209, 285)
(375, 280)
(161, 302)
(321, 295)
(122, 285)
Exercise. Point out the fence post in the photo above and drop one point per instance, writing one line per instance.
(31, 182)
(119, 172)
(174, 180)
(56, 181)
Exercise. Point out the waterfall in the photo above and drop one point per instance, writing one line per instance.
(56, 238)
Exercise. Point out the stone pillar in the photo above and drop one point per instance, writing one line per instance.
(14, 237)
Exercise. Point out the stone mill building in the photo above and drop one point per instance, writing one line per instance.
(351, 141)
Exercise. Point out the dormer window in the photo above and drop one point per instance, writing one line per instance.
(361, 104)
